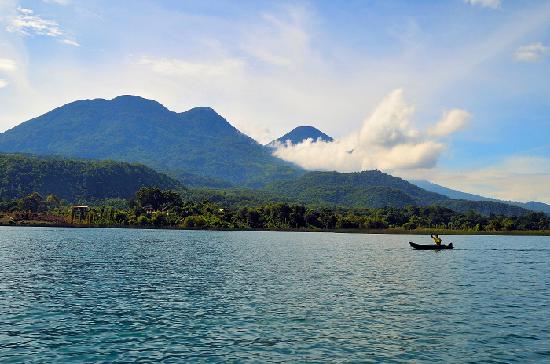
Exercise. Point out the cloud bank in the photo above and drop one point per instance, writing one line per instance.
(386, 141)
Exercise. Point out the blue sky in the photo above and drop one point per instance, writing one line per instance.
(455, 91)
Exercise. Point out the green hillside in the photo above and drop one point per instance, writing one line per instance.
(485, 207)
(134, 129)
(75, 180)
(88, 180)
(376, 189)
(361, 189)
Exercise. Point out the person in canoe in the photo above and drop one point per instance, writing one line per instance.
(437, 239)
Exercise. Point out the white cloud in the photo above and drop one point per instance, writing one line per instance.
(451, 122)
(493, 4)
(3, 83)
(389, 123)
(531, 52)
(7, 65)
(178, 67)
(27, 23)
(25, 11)
(386, 141)
(71, 42)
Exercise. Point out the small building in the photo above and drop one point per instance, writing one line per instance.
(80, 213)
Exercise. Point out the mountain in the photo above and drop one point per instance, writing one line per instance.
(359, 189)
(76, 180)
(301, 133)
(202, 149)
(533, 205)
(433, 187)
(429, 186)
(484, 207)
(134, 129)
(376, 189)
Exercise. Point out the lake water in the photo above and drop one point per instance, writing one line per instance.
(83, 295)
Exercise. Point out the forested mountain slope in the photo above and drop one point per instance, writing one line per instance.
(76, 180)
(376, 189)
(134, 129)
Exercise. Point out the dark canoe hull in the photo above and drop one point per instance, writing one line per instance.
(430, 247)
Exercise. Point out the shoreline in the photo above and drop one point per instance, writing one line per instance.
(389, 231)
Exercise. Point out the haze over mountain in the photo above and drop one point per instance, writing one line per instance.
(433, 187)
(134, 129)
(75, 180)
(301, 133)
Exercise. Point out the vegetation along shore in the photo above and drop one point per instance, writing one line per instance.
(153, 207)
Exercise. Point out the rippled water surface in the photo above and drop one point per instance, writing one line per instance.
(81, 295)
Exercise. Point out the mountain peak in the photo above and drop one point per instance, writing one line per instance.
(131, 97)
(300, 133)
(203, 109)
(139, 102)
(206, 119)
(203, 112)
(124, 103)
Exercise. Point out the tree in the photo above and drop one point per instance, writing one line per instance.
(33, 203)
(52, 201)
(194, 222)
(158, 199)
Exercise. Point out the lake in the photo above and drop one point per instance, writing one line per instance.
(83, 295)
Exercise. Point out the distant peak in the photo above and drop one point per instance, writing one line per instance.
(300, 133)
(306, 127)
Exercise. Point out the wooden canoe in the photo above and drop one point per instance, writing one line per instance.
(430, 246)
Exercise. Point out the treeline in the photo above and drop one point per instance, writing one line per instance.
(75, 180)
(154, 207)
